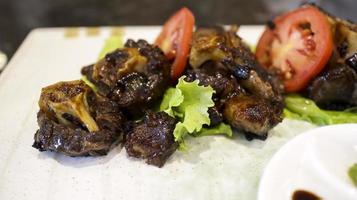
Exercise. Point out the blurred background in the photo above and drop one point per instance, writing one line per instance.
(18, 17)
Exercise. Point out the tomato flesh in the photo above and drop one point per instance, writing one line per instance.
(175, 38)
(298, 47)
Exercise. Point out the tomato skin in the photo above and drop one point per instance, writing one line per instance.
(298, 53)
(175, 39)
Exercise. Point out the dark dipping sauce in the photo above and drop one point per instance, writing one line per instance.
(304, 195)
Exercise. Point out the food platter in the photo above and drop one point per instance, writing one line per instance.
(214, 168)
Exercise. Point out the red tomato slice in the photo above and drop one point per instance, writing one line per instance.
(298, 45)
(175, 39)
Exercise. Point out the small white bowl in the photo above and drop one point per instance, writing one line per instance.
(316, 161)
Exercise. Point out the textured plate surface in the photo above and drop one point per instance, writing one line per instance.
(213, 168)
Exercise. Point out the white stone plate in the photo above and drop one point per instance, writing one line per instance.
(214, 167)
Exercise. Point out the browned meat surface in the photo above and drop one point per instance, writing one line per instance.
(134, 76)
(251, 114)
(215, 115)
(74, 121)
(336, 86)
(225, 47)
(152, 138)
(249, 97)
(217, 76)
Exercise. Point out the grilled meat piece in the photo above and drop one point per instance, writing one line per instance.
(218, 45)
(225, 47)
(134, 76)
(74, 121)
(215, 115)
(217, 76)
(248, 96)
(152, 138)
(345, 36)
(53, 136)
(336, 86)
(251, 114)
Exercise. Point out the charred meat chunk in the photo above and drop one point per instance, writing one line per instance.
(217, 76)
(53, 136)
(249, 97)
(251, 114)
(215, 115)
(225, 47)
(134, 76)
(336, 86)
(344, 36)
(152, 138)
(75, 121)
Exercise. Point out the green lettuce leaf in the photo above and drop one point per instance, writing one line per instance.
(219, 129)
(110, 44)
(180, 132)
(352, 173)
(297, 107)
(173, 97)
(189, 102)
(194, 107)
